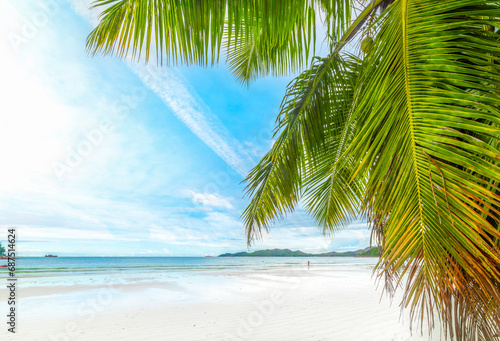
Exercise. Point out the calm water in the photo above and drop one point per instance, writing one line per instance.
(39, 271)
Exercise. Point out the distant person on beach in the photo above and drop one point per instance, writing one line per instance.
(308, 263)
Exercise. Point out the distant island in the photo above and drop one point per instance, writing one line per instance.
(368, 252)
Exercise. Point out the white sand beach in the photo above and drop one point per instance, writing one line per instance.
(277, 304)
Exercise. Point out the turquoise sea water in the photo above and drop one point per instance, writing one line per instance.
(43, 265)
(41, 271)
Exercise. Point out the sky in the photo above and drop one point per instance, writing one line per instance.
(106, 157)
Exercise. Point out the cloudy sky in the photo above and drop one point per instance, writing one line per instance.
(109, 158)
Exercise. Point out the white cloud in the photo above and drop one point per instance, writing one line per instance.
(82, 8)
(36, 123)
(190, 109)
(49, 233)
(211, 200)
(164, 234)
(154, 253)
(170, 86)
(175, 235)
(222, 219)
(254, 150)
(309, 239)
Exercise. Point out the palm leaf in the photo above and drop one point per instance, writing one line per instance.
(315, 128)
(275, 184)
(260, 37)
(332, 192)
(429, 147)
(337, 16)
(276, 44)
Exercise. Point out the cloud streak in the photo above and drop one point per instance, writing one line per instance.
(211, 200)
(169, 85)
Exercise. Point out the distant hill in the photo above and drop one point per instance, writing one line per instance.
(368, 252)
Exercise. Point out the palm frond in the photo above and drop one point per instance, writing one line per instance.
(185, 31)
(337, 15)
(316, 128)
(260, 37)
(332, 191)
(275, 37)
(309, 107)
(429, 147)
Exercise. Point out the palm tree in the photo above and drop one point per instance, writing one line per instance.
(399, 123)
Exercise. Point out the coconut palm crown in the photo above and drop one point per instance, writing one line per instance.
(398, 123)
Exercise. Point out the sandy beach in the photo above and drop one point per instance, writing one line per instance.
(278, 304)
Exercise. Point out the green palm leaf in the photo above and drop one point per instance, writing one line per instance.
(308, 147)
(315, 127)
(279, 44)
(332, 191)
(337, 16)
(259, 37)
(429, 108)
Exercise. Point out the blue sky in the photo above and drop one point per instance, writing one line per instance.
(106, 157)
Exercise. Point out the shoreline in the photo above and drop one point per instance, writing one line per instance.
(324, 303)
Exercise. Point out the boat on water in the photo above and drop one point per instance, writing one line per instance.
(50, 256)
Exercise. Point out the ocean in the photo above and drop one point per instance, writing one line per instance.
(47, 271)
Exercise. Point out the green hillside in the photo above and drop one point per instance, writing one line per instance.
(368, 252)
